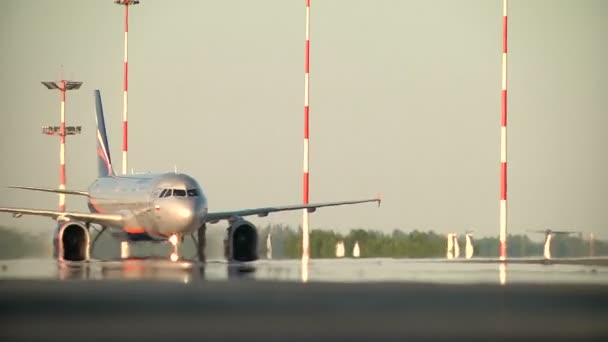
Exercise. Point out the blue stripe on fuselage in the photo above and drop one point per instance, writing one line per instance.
(140, 237)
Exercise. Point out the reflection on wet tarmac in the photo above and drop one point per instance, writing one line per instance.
(303, 270)
(502, 273)
(304, 267)
(150, 270)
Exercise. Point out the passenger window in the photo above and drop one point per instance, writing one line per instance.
(179, 192)
(192, 193)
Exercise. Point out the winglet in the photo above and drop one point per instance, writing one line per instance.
(379, 198)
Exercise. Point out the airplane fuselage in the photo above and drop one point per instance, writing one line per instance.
(154, 205)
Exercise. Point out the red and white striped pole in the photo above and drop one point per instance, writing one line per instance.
(62, 180)
(305, 228)
(125, 97)
(62, 130)
(503, 141)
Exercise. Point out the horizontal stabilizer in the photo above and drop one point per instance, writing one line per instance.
(57, 191)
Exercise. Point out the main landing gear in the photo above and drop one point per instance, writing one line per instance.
(174, 240)
(99, 233)
(199, 242)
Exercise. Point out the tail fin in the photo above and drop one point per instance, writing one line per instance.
(104, 162)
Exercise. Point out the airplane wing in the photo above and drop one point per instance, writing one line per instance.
(103, 219)
(58, 191)
(262, 212)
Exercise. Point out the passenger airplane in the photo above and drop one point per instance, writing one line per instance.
(162, 207)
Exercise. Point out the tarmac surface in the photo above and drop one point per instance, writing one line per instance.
(349, 299)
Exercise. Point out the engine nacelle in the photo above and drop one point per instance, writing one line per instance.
(241, 243)
(71, 242)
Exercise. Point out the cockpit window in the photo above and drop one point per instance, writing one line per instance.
(178, 193)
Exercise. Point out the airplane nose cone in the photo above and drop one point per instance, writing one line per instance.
(191, 215)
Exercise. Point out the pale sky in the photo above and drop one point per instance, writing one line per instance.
(405, 100)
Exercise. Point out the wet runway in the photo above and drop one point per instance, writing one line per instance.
(348, 299)
(459, 271)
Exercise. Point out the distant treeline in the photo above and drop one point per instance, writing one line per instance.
(14, 244)
(287, 243)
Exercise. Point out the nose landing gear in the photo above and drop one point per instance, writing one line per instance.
(174, 240)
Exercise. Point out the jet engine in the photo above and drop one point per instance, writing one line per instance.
(241, 243)
(71, 241)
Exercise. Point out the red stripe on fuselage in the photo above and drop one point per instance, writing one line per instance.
(134, 230)
(95, 206)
